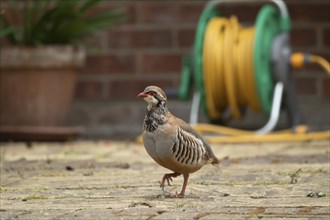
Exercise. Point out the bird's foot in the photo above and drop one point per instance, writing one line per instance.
(168, 178)
(179, 195)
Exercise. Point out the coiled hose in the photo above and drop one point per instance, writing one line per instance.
(228, 68)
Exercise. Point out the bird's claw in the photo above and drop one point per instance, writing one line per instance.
(178, 195)
(161, 184)
(168, 179)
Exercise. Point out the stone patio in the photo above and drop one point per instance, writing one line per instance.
(118, 180)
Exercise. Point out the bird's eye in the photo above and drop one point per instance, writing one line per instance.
(151, 93)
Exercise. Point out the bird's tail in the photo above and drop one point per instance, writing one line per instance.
(215, 161)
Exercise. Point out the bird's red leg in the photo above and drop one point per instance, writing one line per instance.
(168, 177)
(185, 181)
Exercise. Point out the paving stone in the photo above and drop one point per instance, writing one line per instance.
(118, 180)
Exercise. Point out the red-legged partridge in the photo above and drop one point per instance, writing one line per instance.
(170, 141)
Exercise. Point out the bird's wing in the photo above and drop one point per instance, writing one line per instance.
(193, 142)
(187, 149)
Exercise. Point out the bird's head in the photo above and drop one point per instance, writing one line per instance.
(154, 96)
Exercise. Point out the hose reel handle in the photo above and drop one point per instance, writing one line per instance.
(279, 3)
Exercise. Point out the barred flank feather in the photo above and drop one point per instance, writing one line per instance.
(188, 149)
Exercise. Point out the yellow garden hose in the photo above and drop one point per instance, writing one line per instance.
(224, 131)
(321, 61)
(299, 59)
(282, 137)
(219, 134)
(228, 68)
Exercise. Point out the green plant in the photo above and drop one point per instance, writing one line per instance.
(50, 22)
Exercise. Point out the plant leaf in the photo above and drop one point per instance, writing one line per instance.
(57, 21)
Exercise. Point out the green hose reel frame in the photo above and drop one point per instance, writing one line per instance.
(206, 16)
(183, 92)
(269, 23)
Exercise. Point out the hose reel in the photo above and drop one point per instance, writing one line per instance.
(236, 67)
(233, 67)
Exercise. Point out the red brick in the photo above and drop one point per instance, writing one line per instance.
(93, 43)
(326, 88)
(89, 90)
(129, 11)
(246, 13)
(326, 37)
(130, 15)
(161, 63)
(179, 12)
(131, 88)
(186, 38)
(139, 39)
(306, 12)
(173, 13)
(303, 37)
(191, 13)
(305, 85)
(110, 64)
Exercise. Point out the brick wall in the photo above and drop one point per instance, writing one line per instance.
(148, 48)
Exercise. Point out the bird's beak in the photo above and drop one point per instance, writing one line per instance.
(142, 95)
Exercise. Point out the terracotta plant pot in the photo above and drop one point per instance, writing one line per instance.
(37, 84)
